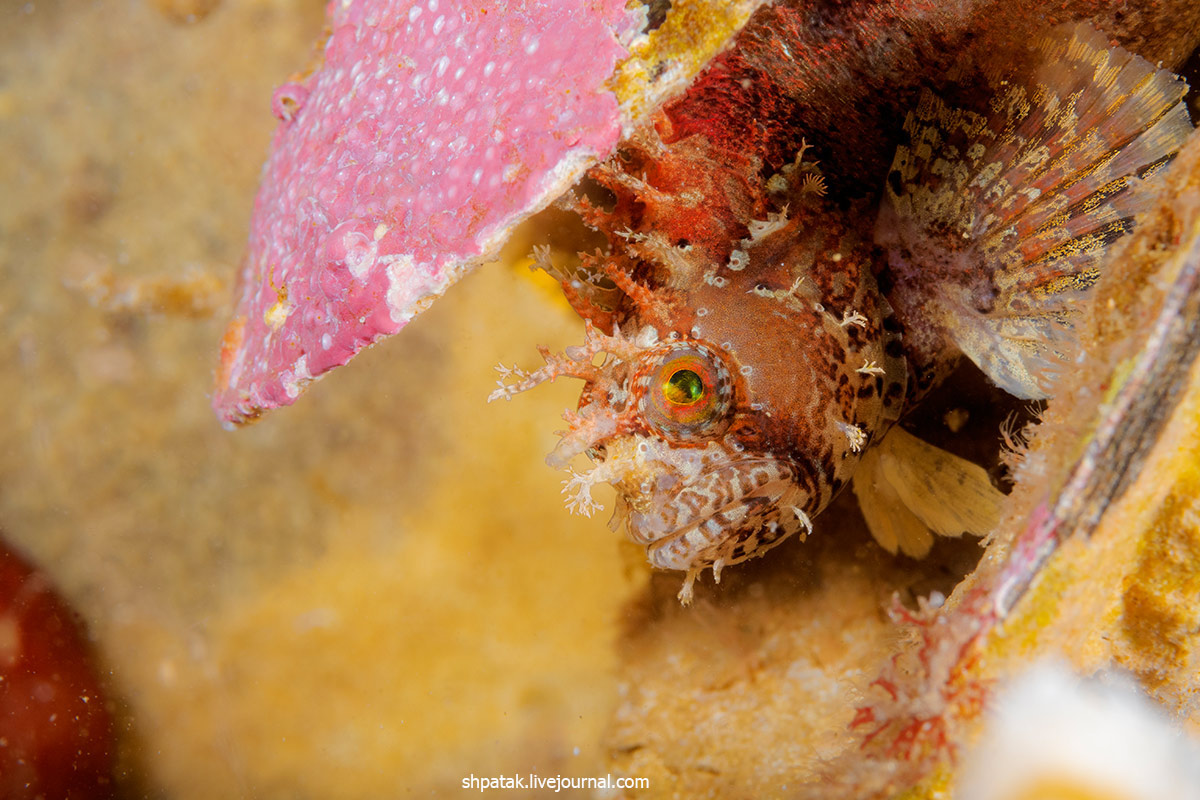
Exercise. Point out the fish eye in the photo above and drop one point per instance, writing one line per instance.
(684, 387)
(685, 391)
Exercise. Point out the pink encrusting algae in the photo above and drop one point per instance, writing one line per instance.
(428, 131)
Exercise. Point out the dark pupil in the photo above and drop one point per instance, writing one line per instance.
(684, 387)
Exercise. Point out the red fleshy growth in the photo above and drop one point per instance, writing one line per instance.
(685, 190)
(428, 132)
(799, 74)
(56, 738)
(932, 686)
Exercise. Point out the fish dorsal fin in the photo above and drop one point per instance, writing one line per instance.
(909, 491)
(1011, 210)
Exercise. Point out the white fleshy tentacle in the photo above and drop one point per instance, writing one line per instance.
(574, 362)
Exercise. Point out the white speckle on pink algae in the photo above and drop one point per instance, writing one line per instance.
(431, 129)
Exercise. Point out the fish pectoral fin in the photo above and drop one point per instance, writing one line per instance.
(909, 490)
(1010, 212)
(891, 523)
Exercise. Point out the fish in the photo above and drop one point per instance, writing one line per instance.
(751, 345)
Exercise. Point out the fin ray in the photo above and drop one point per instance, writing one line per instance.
(1013, 209)
(894, 527)
(909, 491)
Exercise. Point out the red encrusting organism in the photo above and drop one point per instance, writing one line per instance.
(402, 161)
(56, 735)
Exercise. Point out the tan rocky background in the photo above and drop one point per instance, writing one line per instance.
(377, 592)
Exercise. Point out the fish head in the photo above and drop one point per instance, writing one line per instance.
(729, 414)
(698, 483)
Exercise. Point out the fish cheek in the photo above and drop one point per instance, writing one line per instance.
(797, 411)
(790, 384)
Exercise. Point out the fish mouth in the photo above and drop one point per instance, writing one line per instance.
(722, 516)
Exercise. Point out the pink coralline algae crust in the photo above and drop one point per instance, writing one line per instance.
(428, 132)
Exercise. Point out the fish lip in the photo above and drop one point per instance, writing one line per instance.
(646, 527)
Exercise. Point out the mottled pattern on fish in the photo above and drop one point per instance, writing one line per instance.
(756, 341)
(997, 221)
